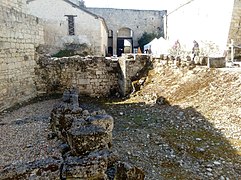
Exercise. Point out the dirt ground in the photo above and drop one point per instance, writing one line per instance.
(183, 124)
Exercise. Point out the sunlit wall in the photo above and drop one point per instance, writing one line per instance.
(201, 20)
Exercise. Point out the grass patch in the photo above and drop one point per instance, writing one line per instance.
(215, 146)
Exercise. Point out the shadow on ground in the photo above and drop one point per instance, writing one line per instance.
(169, 142)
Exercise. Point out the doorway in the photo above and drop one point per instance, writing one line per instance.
(124, 41)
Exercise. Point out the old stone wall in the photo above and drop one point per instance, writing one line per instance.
(235, 31)
(91, 76)
(134, 70)
(20, 34)
(19, 5)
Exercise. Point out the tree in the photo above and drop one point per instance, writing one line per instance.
(146, 38)
(82, 3)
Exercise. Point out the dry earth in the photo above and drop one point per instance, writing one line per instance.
(197, 135)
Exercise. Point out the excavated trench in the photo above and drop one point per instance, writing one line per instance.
(182, 124)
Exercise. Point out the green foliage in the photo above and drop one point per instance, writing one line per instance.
(82, 3)
(146, 38)
(64, 53)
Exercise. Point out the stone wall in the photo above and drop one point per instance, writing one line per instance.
(134, 70)
(19, 5)
(217, 62)
(235, 31)
(91, 76)
(20, 34)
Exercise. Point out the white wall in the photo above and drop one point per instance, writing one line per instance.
(201, 20)
(87, 27)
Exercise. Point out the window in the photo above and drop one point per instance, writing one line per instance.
(110, 33)
(71, 24)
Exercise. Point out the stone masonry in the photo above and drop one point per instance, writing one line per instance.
(92, 76)
(235, 31)
(134, 71)
(20, 34)
(18, 5)
(139, 21)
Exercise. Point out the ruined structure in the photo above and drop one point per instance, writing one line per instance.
(21, 34)
(84, 141)
(92, 76)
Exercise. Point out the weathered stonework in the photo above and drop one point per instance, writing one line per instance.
(217, 62)
(235, 31)
(20, 34)
(94, 76)
(133, 69)
(87, 137)
(18, 5)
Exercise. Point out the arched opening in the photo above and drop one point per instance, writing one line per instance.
(124, 41)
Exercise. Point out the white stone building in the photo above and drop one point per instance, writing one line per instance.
(66, 23)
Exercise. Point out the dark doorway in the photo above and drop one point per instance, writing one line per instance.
(124, 45)
(110, 43)
(110, 51)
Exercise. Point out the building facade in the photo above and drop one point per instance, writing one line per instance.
(126, 26)
(215, 22)
(67, 24)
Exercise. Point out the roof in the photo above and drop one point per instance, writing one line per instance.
(82, 9)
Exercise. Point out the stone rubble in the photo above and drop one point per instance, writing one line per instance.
(84, 140)
(161, 139)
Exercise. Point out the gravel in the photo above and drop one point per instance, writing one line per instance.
(197, 136)
(24, 132)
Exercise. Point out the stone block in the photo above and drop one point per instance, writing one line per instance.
(92, 166)
(216, 62)
(88, 138)
(48, 168)
(128, 172)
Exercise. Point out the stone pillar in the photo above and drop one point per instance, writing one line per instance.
(122, 80)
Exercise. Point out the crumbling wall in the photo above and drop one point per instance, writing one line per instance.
(92, 76)
(134, 70)
(19, 35)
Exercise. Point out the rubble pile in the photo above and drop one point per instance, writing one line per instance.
(86, 139)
